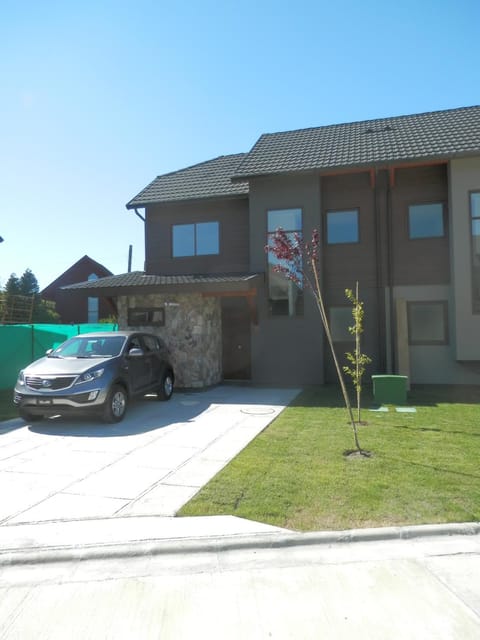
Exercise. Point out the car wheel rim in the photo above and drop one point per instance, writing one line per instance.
(118, 404)
(168, 386)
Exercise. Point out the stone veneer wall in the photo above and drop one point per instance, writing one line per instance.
(192, 332)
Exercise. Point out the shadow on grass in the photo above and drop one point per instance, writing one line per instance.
(435, 430)
(433, 468)
(434, 394)
(330, 396)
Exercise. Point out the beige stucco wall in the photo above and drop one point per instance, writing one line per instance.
(464, 176)
(433, 364)
(192, 332)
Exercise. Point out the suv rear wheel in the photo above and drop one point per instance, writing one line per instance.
(116, 404)
(165, 389)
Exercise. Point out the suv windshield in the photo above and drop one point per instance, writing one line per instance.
(89, 347)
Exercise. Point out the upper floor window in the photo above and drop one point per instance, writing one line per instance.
(475, 232)
(285, 298)
(426, 220)
(342, 226)
(200, 239)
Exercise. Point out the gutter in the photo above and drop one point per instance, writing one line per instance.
(380, 292)
(391, 357)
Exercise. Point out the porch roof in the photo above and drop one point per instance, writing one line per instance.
(138, 282)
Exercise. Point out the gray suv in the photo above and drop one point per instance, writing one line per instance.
(95, 372)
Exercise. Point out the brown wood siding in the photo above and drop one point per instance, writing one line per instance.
(344, 264)
(232, 216)
(370, 343)
(426, 260)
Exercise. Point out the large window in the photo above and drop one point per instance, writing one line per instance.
(342, 226)
(285, 298)
(426, 220)
(427, 323)
(475, 231)
(200, 239)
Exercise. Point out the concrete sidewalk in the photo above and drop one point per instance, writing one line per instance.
(252, 586)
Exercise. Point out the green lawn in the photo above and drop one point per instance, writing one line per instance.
(7, 410)
(424, 467)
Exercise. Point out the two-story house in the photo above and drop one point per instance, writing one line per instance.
(74, 307)
(396, 202)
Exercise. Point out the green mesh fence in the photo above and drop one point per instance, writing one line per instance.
(21, 344)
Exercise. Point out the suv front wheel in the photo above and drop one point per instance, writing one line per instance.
(29, 417)
(116, 404)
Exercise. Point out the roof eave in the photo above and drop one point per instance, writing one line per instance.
(380, 164)
(148, 203)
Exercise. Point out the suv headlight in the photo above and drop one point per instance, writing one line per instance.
(89, 376)
(21, 379)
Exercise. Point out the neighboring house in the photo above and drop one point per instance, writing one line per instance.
(74, 307)
(397, 204)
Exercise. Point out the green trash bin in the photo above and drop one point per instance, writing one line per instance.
(390, 389)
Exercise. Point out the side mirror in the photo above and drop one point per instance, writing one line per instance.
(135, 352)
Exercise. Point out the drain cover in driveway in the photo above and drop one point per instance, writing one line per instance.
(258, 411)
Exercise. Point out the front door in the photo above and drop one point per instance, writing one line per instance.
(236, 339)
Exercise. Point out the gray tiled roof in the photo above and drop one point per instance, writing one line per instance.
(438, 134)
(205, 180)
(139, 279)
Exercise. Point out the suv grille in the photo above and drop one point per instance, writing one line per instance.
(36, 382)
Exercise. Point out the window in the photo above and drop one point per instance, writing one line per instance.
(340, 320)
(146, 317)
(92, 302)
(475, 231)
(285, 298)
(427, 323)
(151, 343)
(426, 221)
(342, 226)
(200, 239)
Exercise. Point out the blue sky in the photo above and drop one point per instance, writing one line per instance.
(99, 97)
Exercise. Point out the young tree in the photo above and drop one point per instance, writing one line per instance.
(298, 261)
(357, 359)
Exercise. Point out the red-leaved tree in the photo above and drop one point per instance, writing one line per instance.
(298, 261)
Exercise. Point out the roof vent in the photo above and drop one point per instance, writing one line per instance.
(387, 127)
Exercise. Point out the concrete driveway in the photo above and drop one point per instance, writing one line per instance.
(150, 464)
